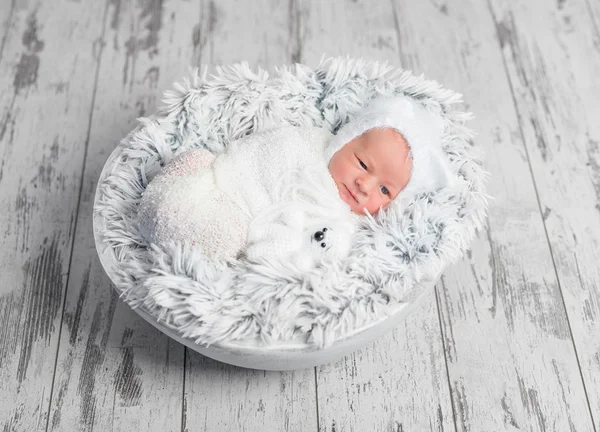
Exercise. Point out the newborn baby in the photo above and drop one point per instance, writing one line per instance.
(272, 185)
(372, 169)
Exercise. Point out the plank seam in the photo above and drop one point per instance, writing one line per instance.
(85, 151)
(317, 400)
(439, 314)
(8, 22)
(560, 290)
(294, 17)
(183, 404)
(397, 31)
(593, 18)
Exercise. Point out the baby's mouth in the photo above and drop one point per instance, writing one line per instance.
(351, 194)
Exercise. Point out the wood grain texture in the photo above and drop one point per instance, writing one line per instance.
(518, 347)
(220, 397)
(510, 355)
(347, 28)
(114, 370)
(552, 55)
(46, 77)
(261, 33)
(399, 383)
(7, 12)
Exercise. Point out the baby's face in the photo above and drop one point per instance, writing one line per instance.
(371, 170)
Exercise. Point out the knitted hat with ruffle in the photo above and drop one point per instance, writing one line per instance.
(422, 130)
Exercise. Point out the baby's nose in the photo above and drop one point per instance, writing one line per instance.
(365, 184)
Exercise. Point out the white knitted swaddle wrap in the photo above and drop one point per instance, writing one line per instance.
(182, 204)
(211, 203)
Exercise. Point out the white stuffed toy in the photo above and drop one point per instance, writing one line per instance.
(308, 225)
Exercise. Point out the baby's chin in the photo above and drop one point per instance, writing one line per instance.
(357, 208)
(362, 210)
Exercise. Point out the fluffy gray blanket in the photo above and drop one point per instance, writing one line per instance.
(212, 302)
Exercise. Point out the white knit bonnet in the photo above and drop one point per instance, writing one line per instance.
(422, 130)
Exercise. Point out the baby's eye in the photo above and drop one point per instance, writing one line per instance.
(384, 190)
(362, 164)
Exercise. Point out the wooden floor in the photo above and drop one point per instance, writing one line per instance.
(510, 340)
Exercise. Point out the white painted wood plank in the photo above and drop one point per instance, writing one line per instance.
(347, 28)
(260, 32)
(552, 54)
(511, 361)
(400, 382)
(397, 384)
(47, 79)
(220, 397)
(7, 10)
(114, 370)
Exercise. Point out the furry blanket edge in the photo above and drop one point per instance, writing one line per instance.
(213, 302)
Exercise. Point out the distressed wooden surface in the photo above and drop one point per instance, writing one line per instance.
(230, 31)
(47, 82)
(509, 341)
(114, 372)
(397, 384)
(221, 397)
(552, 56)
(386, 385)
(508, 345)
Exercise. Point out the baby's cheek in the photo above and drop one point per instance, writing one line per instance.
(373, 207)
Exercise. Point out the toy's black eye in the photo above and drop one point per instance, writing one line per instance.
(323, 245)
(324, 229)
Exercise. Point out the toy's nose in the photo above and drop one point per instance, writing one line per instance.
(319, 235)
